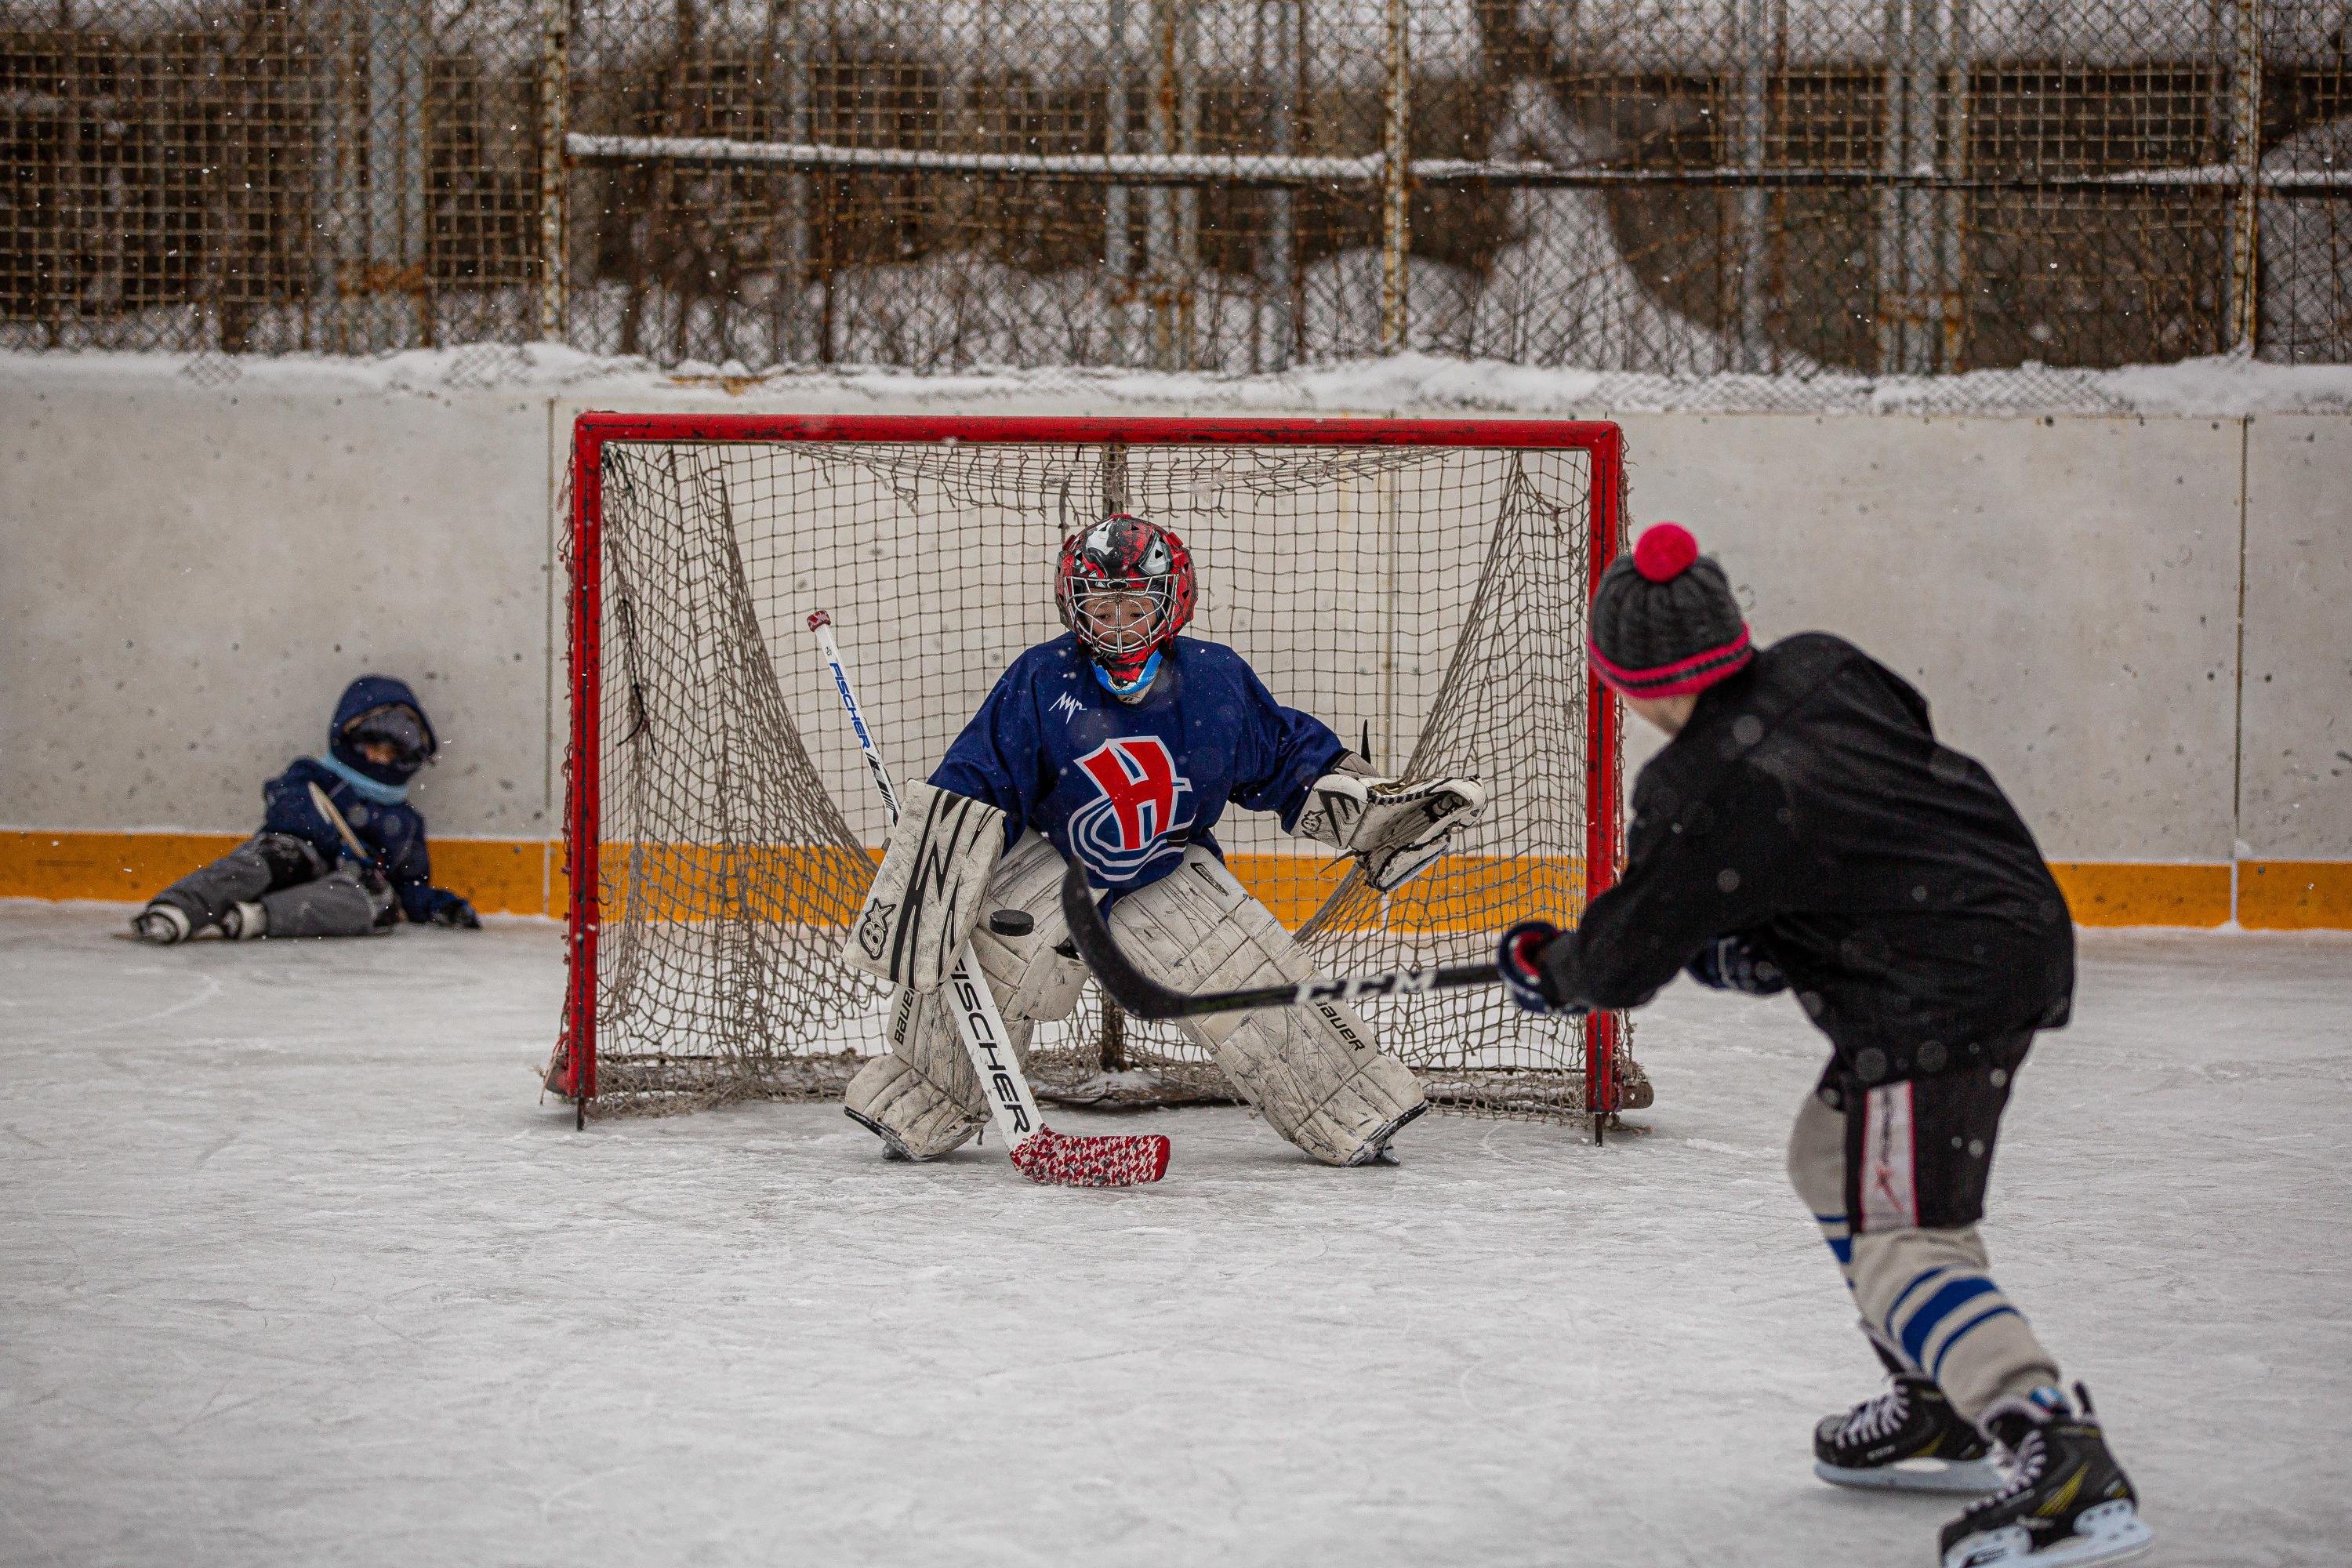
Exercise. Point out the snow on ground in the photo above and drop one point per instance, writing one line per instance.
(294, 1269)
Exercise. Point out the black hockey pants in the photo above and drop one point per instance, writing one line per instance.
(300, 894)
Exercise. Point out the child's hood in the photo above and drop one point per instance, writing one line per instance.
(372, 691)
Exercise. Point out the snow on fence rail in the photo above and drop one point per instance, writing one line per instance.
(1273, 172)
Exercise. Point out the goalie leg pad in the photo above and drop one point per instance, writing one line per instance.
(930, 890)
(923, 1097)
(1317, 1075)
(1032, 979)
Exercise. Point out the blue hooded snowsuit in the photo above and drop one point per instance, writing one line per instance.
(297, 876)
(372, 797)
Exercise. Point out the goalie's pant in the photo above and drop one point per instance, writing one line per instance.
(1318, 1076)
(1895, 1173)
(298, 893)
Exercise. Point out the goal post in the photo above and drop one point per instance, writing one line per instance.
(1420, 586)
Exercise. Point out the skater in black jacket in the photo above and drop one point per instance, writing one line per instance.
(1803, 830)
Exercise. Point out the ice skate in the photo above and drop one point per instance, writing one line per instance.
(245, 922)
(2067, 1503)
(893, 1146)
(1908, 1438)
(1376, 1149)
(162, 924)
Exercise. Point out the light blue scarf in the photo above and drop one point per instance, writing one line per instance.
(1129, 691)
(368, 788)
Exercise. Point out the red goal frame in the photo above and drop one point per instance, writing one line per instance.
(592, 432)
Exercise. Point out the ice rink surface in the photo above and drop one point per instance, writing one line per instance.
(293, 1270)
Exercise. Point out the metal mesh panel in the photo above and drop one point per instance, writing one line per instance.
(1688, 187)
(205, 174)
(1426, 602)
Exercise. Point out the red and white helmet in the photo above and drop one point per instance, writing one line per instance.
(1123, 558)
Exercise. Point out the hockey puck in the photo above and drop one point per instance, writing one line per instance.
(1011, 923)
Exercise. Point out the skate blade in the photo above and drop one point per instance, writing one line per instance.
(2111, 1532)
(1970, 1476)
(894, 1147)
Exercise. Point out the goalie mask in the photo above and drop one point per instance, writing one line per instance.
(1125, 588)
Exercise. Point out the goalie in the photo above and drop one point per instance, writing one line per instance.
(1119, 745)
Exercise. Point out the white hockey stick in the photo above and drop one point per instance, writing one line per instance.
(1038, 1152)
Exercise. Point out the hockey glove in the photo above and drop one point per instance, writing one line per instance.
(930, 890)
(1517, 958)
(1395, 829)
(1733, 963)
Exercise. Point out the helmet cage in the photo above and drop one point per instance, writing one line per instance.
(1116, 638)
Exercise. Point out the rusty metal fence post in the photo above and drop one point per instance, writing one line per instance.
(1752, 40)
(1396, 186)
(1119, 263)
(1918, 252)
(2246, 128)
(555, 91)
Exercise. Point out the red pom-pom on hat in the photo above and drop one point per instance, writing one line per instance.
(1664, 551)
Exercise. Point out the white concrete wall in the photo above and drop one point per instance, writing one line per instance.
(2295, 771)
(188, 576)
(2063, 591)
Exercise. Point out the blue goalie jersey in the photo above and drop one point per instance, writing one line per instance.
(1123, 789)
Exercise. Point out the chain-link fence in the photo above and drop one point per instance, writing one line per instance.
(1785, 187)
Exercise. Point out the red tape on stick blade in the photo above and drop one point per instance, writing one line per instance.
(1061, 1161)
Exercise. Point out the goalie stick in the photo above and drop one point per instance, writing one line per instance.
(1038, 1152)
(1147, 998)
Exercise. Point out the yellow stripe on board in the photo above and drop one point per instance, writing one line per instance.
(2133, 893)
(803, 883)
(121, 867)
(2294, 895)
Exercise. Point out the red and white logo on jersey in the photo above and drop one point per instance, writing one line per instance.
(1143, 812)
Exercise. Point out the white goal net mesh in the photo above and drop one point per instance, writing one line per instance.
(1428, 603)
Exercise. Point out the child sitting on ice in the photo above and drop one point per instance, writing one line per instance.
(300, 875)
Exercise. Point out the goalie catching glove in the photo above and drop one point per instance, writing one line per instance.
(1393, 827)
(927, 894)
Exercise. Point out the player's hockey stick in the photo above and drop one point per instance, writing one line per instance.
(335, 818)
(1147, 998)
(1038, 1152)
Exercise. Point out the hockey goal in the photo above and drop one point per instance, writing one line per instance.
(1420, 585)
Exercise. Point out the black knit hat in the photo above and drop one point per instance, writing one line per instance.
(1663, 620)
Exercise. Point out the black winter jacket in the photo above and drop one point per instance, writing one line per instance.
(1808, 807)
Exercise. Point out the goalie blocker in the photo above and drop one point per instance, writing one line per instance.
(925, 897)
